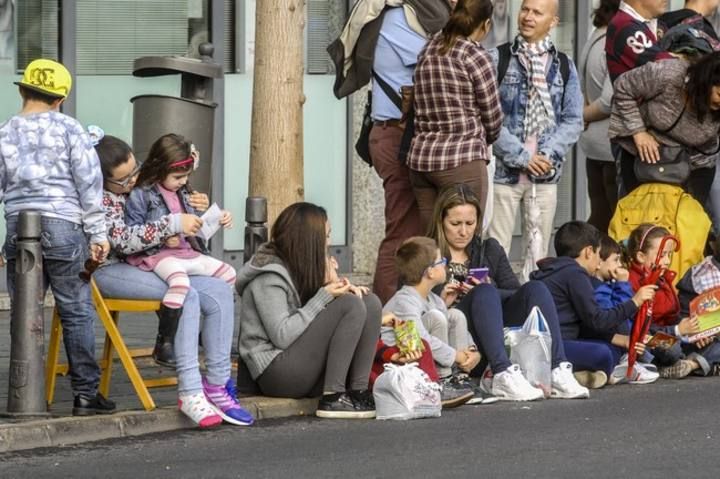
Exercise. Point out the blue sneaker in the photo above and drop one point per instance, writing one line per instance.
(223, 400)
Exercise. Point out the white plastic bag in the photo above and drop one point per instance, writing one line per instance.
(405, 392)
(531, 348)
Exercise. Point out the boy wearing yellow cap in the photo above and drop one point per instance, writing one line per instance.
(48, 164)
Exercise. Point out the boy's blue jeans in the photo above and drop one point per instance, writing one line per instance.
(65, 249)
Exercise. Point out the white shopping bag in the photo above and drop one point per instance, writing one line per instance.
(405, 392)
(531, 349)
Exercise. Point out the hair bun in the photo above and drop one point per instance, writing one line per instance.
(96, 134)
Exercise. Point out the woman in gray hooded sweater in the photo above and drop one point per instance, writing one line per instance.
(304, 331)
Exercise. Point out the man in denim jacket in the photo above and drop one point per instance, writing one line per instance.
(543, 120)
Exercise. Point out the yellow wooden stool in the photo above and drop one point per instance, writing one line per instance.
(108, 311)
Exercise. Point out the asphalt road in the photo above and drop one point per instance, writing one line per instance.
(668, 429)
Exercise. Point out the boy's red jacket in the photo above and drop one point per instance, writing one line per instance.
(666, 307)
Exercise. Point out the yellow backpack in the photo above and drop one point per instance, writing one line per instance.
(668, 206)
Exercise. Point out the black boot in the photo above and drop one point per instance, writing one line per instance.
(164, 352)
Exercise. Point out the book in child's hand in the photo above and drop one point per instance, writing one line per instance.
(661, 340)
(408, 338)
(211, 222)
(706, 308)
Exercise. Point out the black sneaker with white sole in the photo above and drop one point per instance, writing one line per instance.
(342, 406)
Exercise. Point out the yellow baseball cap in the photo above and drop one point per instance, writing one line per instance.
(48, 77)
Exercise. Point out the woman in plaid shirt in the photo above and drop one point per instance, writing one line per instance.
(457, 108)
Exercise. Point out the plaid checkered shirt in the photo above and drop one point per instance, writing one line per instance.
(457, 106)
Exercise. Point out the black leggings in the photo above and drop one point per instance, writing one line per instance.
(334, 354)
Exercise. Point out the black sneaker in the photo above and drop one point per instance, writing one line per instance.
(454, 393)
(341, 406)
(85, 406)
(363, 399)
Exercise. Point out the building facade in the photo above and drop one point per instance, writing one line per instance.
(99, 39)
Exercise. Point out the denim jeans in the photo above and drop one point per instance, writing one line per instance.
(65, 249)
(488, 314)
(211, 297)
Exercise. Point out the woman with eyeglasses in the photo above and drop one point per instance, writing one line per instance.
(211, 297)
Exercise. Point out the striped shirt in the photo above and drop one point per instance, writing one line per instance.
(457, 106)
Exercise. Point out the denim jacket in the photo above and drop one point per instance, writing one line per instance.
(146, 204)
(555, 142)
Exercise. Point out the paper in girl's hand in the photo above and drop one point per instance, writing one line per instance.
(211, 222)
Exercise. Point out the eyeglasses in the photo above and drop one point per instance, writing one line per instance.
(90, 266)
(128, 179)
(441, 261)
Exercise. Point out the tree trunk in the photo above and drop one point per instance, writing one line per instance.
(276, 140)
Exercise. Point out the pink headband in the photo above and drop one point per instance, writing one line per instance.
(187, 161)
(644, 236)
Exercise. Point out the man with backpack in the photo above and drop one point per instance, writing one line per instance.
(542, 105)
(385, 50)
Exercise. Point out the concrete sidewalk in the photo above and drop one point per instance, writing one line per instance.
(61, 428)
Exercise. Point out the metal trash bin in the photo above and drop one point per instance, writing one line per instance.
(191, 115)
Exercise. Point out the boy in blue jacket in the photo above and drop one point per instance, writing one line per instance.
(569, 277)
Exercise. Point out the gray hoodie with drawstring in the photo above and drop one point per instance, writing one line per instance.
(271, 315)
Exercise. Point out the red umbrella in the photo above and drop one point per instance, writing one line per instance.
(641, 326)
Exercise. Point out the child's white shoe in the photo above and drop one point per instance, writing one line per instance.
(564, 384)
(198, 408)
(641, 375)
(511, 385)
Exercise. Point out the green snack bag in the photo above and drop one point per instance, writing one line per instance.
(407, 337)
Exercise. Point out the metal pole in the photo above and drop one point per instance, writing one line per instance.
(256, 232)
(26, 394)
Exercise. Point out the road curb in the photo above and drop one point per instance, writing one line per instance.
(76, 430)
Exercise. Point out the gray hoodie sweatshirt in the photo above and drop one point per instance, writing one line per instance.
(271, 316)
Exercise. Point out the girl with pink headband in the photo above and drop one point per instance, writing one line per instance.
(162, 188)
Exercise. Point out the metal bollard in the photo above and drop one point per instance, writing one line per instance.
(256, 232)
(26, 394)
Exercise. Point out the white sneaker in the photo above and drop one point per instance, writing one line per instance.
(511, 385)
(564, 384)
(640, 375)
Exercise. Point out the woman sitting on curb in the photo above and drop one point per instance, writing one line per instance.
(305, 333)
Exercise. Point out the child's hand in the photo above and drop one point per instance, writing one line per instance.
(173, 241)
(646, 293)
(472, 358)
(640, 348)
(390, 320)
(450, 293)
(227, 220)
(688, 326)
(99, 251)
(621, 274)
(409, 357)
(190, 224)
(704, 342)
(199, 201)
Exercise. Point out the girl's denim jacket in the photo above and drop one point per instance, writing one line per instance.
(555, 142)
(146, 204)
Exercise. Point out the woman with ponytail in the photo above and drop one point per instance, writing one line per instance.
(457, 108)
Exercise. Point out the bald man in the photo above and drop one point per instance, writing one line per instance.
(543, 120)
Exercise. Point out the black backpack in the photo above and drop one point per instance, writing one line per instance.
(504, 55)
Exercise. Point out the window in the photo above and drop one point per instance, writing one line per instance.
(38, 26)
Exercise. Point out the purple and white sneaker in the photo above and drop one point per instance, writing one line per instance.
(223, 399)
